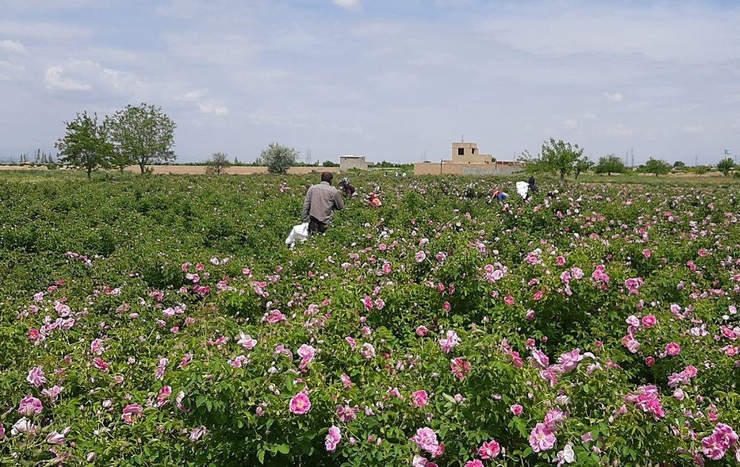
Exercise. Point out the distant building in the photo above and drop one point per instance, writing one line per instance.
(467, 160)
(352, 162)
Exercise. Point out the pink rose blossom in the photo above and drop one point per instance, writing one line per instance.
(96, 347)
(300, 404)
(36, 377)
(450, 342)
(541, 438)
(489, 450)
(131, 413)
(246, 341)
(100, 364)
(516, 409)
(419, 398)
(30, 406)
(672, 349)
(52, 393)
(649, 321)
(474, 463)
(332, 438)
(426, 440)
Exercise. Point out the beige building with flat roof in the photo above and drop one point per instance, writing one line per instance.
(467, 160)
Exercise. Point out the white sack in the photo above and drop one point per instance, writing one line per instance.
(298, 233)
(522, 188)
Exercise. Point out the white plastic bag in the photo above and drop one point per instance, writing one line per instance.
(522, 188)
(298, 233)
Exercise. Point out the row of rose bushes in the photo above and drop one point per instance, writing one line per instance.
(591, 325)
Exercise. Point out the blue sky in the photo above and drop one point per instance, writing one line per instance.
(395, 80)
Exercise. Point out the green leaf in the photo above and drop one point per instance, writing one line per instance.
(289, 382)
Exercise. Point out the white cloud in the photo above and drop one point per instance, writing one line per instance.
(10, 71)
(13, 47)
(87, 75)
(56, 80)
(209, 107)
(351, 5)
(571, 123)
(618, 130)
(589, 116)
(616, 97)
(693, 129)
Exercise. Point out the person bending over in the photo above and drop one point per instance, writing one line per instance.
(320, 203)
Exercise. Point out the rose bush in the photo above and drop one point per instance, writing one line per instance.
(161, 320)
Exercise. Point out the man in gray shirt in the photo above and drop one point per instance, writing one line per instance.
(321, 201)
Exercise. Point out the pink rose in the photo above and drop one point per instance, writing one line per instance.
(300, 404)
(672, 349)
(30, 406)
(489, 450)
(419, 398)
(649, 321)
(332, 438)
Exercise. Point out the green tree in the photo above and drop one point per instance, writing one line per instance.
(656, 166)
(141, 135)
(725, 166)
(582, 165)
(679, 165)
(556, 157)
(218, 163)
(610, 164)
(329, 164)
(278, 158)
(85, 145)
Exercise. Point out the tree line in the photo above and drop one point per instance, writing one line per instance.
(563, 158)
(136, 135)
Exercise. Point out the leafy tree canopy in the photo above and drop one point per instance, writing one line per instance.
(610, 164)
(217, 164)
(555, 157)
(725, 166)
(141, 135)
(85, 145)
(278, 158)
(656, 166)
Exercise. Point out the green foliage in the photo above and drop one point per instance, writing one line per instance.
(656, 166)
(278, 158)
(556, 157)
(725, 166)
(85, 145)
(205, 318)
(141, 135)
(217, 164)
(582, 165)
(610, 164)
(329, 164)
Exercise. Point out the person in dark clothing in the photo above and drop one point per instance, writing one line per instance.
(320, 203)
(532, 187)
(347, 188)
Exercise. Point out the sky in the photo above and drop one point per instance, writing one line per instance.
(393, 80)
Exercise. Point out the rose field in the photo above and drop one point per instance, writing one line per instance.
(162, 320)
